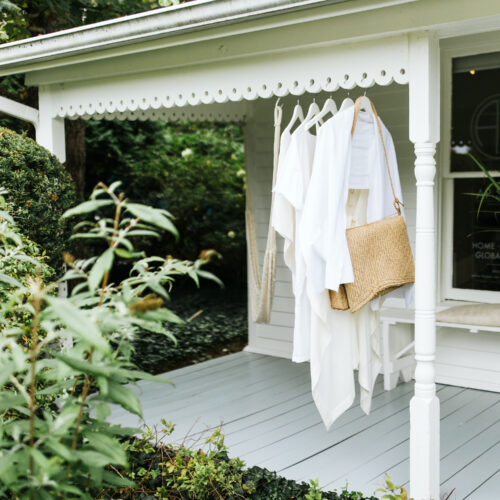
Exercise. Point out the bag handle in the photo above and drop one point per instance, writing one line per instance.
(357, 106)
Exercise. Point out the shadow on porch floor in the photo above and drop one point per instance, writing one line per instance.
(269, 419)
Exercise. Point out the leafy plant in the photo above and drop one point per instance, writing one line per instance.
(491, 193)
(163, 470)
(55, 440)
(314, 492)
(40, 190)
(179, 472)
(393, 491)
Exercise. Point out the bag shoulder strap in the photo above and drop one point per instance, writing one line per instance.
(357, 106)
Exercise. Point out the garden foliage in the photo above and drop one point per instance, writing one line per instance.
(55, 440)
(204, 471)
(40, 191)
(194, 170)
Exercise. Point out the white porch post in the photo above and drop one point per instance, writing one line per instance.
(424, 133)
(50, 129)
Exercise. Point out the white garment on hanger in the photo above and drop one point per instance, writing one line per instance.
(342, 341)
(291, 188)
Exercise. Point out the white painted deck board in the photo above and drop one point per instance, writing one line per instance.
(270, 420)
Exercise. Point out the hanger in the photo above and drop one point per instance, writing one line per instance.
(297, 114)
(328, 107)
(365, 103)
(362, 102)
(346, 103)
(311, 112)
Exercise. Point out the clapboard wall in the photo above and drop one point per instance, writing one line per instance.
(392, 105)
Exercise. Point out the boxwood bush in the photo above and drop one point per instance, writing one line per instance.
(40, 191)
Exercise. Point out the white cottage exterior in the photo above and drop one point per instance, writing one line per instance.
(229, 60)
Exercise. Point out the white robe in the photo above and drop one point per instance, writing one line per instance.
(290, 193)
(342, 341)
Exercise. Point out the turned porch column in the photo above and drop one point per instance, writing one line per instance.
(424, 133)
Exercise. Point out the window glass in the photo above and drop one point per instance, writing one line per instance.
(476, 237)
(475, 117)
(475, 143)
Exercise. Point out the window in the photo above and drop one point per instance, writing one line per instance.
(475, 138)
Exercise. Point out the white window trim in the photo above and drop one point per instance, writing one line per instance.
(465, 46)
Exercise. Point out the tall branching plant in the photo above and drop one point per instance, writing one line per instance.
(55, 438)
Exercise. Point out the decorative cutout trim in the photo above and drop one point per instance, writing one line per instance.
(305, 70)
(176, 114)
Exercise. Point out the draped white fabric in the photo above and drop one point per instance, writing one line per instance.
(290, 193)
(325, 184)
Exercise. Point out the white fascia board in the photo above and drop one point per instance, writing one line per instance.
(45, 51)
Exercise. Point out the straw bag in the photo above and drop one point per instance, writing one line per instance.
(380, 252)
(338, 300)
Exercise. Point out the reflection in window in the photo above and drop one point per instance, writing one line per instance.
(476, 131)
(476, 249)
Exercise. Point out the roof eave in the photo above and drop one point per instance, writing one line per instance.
(145, 26)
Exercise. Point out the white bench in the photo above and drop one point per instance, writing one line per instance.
(403, 361)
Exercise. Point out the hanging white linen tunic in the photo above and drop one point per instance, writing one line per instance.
(342, 341)
(290, 192)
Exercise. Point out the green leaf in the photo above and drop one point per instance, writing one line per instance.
(9, 400)
(77, 322)
(209, 276)
(107, 446)
(483, 197)
(9, 280)
(122, 395)
(162, 314)
(125, 254)
(153, 216)
(86, 207)
(102, 265)
(140, 375)
(143, 232)
(115, 480)
(84, 366)
(102, 411)
(95, 458)
(56, 447)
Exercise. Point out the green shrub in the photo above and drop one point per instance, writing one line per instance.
(40, 191)
(20, 261)
(55, 439)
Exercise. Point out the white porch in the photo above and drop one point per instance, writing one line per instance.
(187, 63)
(267, 414)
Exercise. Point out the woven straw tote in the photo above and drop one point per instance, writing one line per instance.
(380, 252)
(338, 300)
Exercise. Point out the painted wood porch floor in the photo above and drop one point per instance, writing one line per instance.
(270, 420)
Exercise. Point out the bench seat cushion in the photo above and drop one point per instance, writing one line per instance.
(477, 314)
